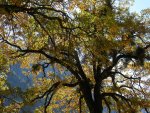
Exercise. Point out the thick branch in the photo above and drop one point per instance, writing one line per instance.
(106, 73)
(54, 59)
(78, 63)
(70, 84)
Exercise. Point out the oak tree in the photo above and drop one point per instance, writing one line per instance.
(93, 54)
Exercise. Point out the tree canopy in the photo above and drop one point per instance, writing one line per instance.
(93, 54)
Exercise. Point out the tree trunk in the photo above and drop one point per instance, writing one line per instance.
(94, 105)
(86, 91)
(97, 99)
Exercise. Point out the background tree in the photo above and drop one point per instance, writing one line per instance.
(91, 53)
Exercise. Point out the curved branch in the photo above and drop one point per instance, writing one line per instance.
(44, 66)
(54, 59)
(114, 95)
(32, 11)
(46, 104)
(50, 90)
(16, 9)
(71, 85)
(13, 45)
(116, 72)
(78, 63)
(147, 111)
(80, 103)
(52, 41)
(107, 104)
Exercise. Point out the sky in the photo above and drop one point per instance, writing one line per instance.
(140, 4)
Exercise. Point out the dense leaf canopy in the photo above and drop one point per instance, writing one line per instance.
(93, 54)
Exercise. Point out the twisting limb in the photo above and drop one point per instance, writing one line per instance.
(80, 103)
(47, 101)
(107, 104)
(44, 66)
(50, 90)
(13, 45)
(54, 59)
(34, 11)
(146, 110)
(116, 72)
(48, 93)
(78, 63)
(52, 41)
(115, 95)
(71, 84)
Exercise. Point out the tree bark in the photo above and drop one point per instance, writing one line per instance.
(94, 103)
(97, 99)
(87, 95)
